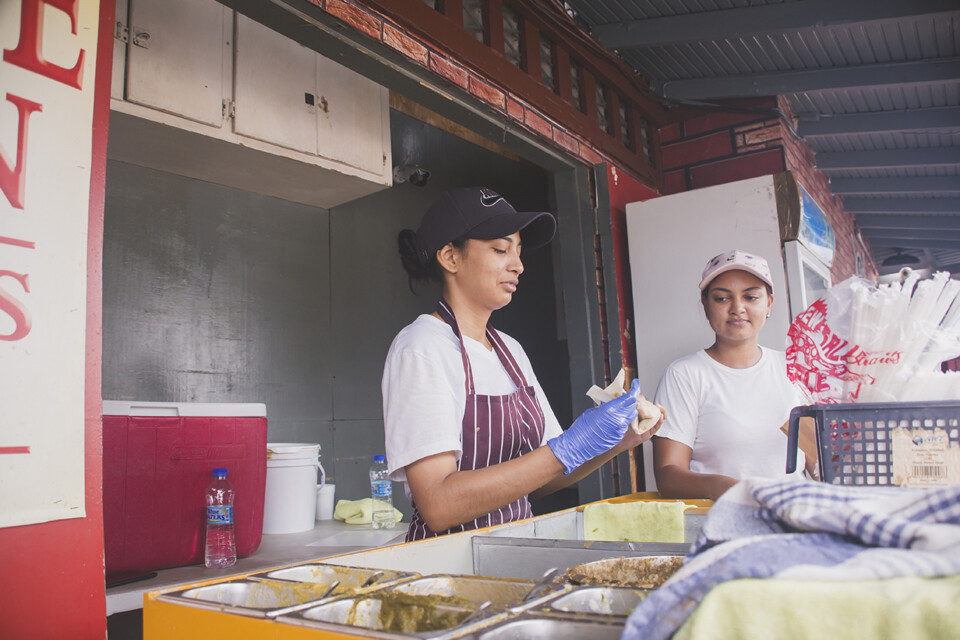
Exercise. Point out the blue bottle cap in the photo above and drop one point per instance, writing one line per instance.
(220, 472)
(379, 458)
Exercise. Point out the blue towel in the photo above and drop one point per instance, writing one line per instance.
(801, 530)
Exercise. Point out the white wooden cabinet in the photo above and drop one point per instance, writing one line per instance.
(191, 75)
(352, 118)
(274, 77)
(176, 53)
(284, 90)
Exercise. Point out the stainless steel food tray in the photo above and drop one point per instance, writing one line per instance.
(531, 626)
(350, 578)
(362, 615)
(600, 601)
(502, 593)
(257, 598)
(643, 572)
(528, 558)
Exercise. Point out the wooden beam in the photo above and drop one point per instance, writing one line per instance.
(912, 234)
(896, 184)
(784, 82)
(453, 10)
(530, 49)
(909, 243)
(870, 221)
(940, 118)
(414, 110)
(493, 24)
(859, 204)
(917, 157)
(746, 22)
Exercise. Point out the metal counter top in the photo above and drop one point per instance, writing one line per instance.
(328, 538)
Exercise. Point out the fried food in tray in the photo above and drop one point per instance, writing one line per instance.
(644, 572)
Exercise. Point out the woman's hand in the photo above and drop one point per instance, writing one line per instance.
(632, 440)
(596, 431)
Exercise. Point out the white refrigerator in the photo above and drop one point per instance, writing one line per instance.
(670, 240)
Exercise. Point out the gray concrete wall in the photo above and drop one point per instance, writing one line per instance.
(214, 294)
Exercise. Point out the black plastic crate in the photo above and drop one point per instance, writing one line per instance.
(854, 441)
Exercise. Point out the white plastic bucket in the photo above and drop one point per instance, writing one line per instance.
(290, 500)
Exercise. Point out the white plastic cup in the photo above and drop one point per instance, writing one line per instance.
(325, 502)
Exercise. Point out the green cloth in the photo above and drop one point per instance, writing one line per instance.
(358, 511)
(634, 521)
(895, 608)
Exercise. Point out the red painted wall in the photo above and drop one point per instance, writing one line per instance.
(53, 572)
(623, 190)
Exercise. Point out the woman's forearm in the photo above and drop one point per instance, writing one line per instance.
(449, 499)
(577, 475)
(676, 482)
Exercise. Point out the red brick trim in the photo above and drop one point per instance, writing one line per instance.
(359, 18)
(405, 44)
(566, 141)
(381, 27)
(448, 69)
(488, 93)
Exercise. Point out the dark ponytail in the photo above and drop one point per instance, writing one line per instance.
(421, 269)
(412, 259)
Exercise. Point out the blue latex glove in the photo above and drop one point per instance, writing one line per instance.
(596, 431)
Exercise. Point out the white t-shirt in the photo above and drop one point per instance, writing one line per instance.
(424, 396)
(730, 418)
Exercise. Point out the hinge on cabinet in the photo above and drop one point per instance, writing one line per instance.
(229, 109)
(121, 32)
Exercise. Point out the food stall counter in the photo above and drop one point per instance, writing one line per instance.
(464, 585)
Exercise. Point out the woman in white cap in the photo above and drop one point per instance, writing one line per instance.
(725, 404)
(466, 424)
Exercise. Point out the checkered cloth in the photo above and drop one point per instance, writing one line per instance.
(802, 530)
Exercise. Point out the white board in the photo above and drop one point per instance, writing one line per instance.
(43, 256)
(670, 240)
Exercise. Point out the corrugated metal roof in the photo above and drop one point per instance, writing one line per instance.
(873, 83)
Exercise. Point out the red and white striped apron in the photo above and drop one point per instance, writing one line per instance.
(494, 429)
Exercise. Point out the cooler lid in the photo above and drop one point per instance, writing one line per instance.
(184, 409)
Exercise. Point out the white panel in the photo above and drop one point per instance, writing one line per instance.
(180, 69)
(273, 74)
(43, 269)
(809, 277)
(352, 123)
(670, 240)
(118, 75)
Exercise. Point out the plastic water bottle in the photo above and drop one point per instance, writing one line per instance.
(221, 549)
(381, 490)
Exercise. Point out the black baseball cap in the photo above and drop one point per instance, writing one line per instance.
(482, 214)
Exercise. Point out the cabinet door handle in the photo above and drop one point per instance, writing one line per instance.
(141, 39)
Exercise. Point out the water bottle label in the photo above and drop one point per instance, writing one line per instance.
(220, 514)
(381, 489)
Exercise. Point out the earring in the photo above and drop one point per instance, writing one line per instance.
(768, 315)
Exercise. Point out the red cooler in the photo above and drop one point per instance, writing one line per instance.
(157, 461)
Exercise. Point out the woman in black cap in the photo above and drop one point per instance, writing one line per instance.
(464, 416)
